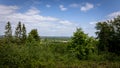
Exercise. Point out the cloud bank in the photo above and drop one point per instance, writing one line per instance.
(46, 25)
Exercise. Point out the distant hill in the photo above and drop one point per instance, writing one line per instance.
(55, 37)
(1, 36)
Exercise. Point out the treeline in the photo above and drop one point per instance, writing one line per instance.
(20, 35)
(28, 50)
(106, 45)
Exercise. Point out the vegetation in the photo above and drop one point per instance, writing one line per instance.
(8, 32)
(79, 51)
(82, 45)
(109, 35)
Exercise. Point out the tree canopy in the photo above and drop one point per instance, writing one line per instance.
(108, 33)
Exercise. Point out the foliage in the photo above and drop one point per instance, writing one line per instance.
(24, 36)
(82, 45)
(52, 55)
(109, 35)
(8, 32)
(34, 34)
(18, 31)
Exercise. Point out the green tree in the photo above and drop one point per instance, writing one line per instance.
(34, 34)
(24, 36)
(108, 33)
(8, 32)
(114, 43)
(79, 37)
(18, 31)
(79, 44)
(103, 35)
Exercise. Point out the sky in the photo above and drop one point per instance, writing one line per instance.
(57, 17)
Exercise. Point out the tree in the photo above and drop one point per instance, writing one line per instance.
(103, 35)
(79, 35)
(34, 34)
(18, 31)
(108, 33)
(24, 36)
(80, 44)
(8, 32)
(115, 38)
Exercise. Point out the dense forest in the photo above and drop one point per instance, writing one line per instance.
(22, 50)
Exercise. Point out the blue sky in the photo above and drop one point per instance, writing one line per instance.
(57, 17)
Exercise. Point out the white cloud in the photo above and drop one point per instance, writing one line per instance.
(86, 7)
(93, 23)
(65, 22)
(48, 6)
(46, 25)
(74, 5)
(32, 11)
(62, 8)
(7, 9)
(114, 14)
